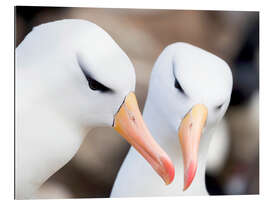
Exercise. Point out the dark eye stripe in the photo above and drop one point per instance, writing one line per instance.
(176, 83)
(219, 107)
(178, 86)
(94, 84)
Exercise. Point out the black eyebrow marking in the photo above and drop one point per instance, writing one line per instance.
(219, 106)
(93, 84)
(176, 82)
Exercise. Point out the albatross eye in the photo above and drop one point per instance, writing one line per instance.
(95, 85)
(178, 86)
(219, 107)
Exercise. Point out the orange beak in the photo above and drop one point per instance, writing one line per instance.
(189, 133)
(128, 122)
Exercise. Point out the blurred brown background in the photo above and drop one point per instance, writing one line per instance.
(143, 34)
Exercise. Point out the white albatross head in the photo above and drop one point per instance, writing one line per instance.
(87, 79)
(191, 89)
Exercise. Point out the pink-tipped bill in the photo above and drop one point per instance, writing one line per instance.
(189, 133)
(128, 122)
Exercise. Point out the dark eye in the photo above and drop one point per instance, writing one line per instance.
(219, 107)
(95, 85)
(178, 86)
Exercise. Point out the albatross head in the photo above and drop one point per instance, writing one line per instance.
(196, 87)
(90, 81)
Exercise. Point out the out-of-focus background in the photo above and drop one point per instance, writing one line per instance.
(233, 165)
